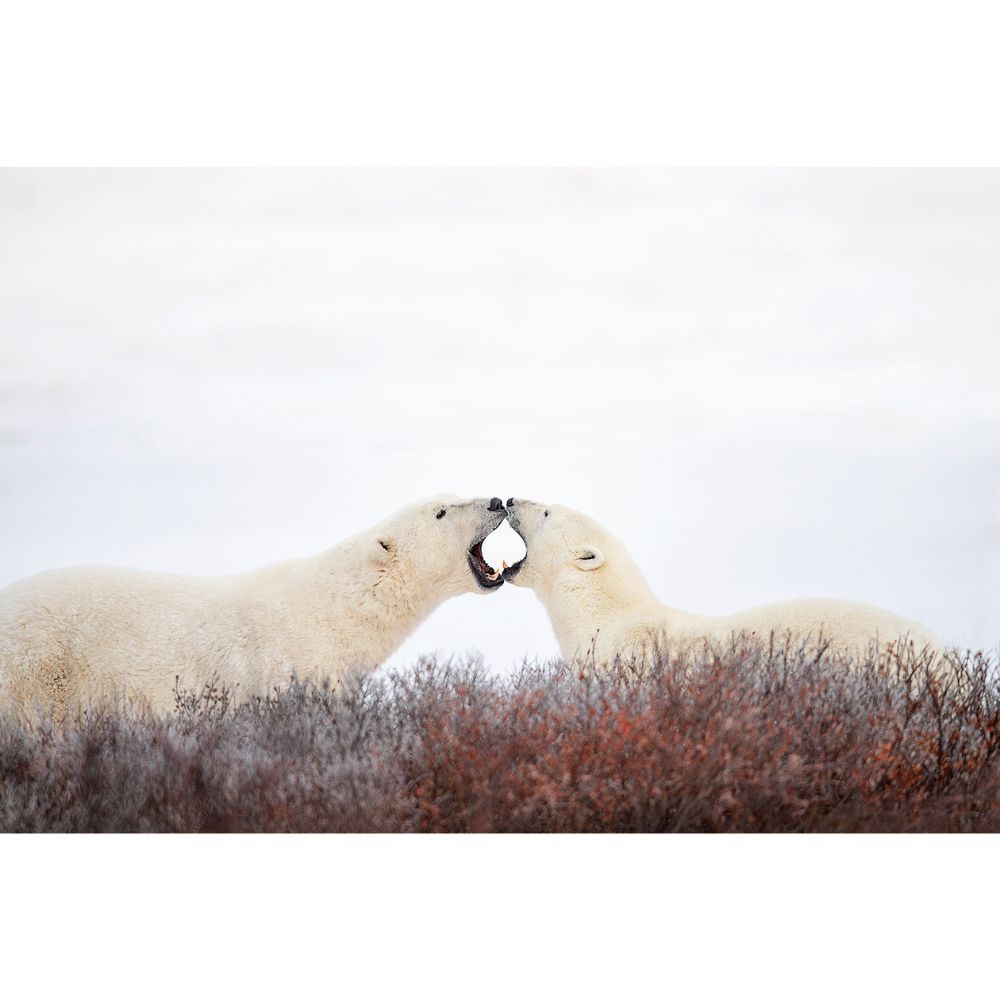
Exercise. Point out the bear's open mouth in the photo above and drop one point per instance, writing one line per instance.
(509, 571)
(487, 576)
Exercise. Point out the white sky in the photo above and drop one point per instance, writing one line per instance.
(768, 384)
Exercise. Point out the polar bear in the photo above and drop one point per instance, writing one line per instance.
(601, 607)
(71, 638)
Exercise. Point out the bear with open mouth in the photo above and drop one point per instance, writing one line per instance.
(72, 638)
(602, 608)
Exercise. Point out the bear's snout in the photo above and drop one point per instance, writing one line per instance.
(496, 504)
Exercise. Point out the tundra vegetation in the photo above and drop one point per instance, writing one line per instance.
(741, 736)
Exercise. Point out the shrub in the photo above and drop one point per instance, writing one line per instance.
(750, 737)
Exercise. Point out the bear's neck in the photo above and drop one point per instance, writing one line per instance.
(581, 605)
(369, 610)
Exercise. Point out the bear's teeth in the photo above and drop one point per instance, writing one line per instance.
(505, 566)
(494, 574)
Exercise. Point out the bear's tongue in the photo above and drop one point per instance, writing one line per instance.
(477, 551)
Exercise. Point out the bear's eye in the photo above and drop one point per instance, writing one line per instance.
(441, 513)
(546, 513)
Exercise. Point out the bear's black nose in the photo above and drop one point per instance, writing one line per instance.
(510, 501)
(496, 504)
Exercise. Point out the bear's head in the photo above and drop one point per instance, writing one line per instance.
(438, 544)
(561, 543)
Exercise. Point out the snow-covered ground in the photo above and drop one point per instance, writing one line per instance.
(769, 384)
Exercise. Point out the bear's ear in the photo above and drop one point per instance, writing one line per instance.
(588, 557)
(382, 546)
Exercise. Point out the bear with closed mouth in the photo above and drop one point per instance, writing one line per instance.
(72, 638)
(602, 608)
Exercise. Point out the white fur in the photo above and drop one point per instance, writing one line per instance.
(74, 637)
(601, 606)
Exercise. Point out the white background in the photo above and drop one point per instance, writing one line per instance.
(771, 384)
